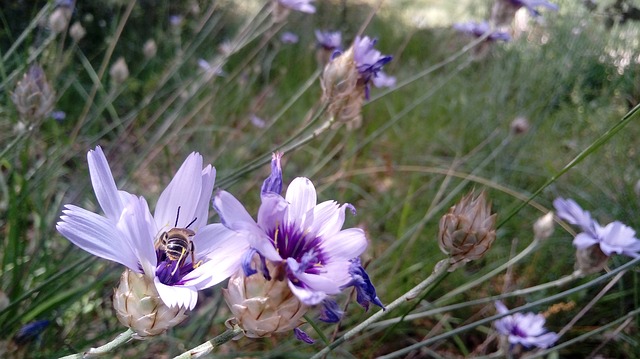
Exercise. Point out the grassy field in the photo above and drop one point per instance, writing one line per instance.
(445, 129)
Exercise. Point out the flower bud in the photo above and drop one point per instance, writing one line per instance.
(262, 307)
(33, 95)
(139, 307)
(543, 228)
(149, 49)
(468, 230)
(77, 32)
(519, 126)
(119, 71)
(59, 19)
(340, 88)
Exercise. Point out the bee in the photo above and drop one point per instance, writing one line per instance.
(177, 244)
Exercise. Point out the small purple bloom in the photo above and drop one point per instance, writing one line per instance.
(331, 313)
(176, 20)
(384, 80)
(301, 335)
(615, 237)
(299, 5)
(479, 29)
(329, 40)
(300, 236)
(289, 38)
(524, 328)
(31, 331)
(365, 291)
(369, 61)
(58, 115)
(531, 5)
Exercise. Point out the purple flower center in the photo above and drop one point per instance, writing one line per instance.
(171, 272)
(515, 330)
(290, 242)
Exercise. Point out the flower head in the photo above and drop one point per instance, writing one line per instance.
(301, 243)
(174, 248)
(468, 230)
(33, 96)
(289, 38)
(369, 61)
(615, 237)
(329, 40)
(119, 71)
(479, 29)
(524, 328)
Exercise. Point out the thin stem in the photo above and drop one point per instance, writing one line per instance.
(439, 270)
(206, 347)
(118, 341)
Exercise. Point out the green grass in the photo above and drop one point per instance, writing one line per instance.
(422, 146)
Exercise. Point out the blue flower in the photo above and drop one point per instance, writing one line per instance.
(368, 60)
(524, 328)
(479, 29)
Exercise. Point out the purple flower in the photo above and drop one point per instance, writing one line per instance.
(299, 5)
(129, 234)
(531, 5)
(524, 328)
(329, 40)
(384, 80)
(369, 61)
(289, 38)
(615, 237)
(31, 331)
(304, 239)
(478, 29)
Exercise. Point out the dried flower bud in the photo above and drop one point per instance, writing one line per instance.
(261, 306)
(33, 95)
(543, 228)
(468, 230)
(149, 49)
(59, 19)
(119, 71)
(591, 259)
(139, 307)
(519, 126)
(340, 87)
(77, 32)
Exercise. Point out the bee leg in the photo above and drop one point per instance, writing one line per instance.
(193, 257)
(179, 262)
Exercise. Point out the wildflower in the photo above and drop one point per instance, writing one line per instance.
(149, 49)
(347, 77)
(304, 241)
(526, 329)
(176, 20)
(33, 95)
(31, 331)
(262, 307)
(329, 40)
(289, 38)
(119, 71)
(468, 230)
(479, 29)
(595, 244)
(282, 8)
(77, 32)
(149, 244)
(503, 11)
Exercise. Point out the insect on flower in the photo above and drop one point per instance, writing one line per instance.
(177, 245)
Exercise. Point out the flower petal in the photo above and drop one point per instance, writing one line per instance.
(272, 211)
(346, 244)
(182, 192)
(302, 196)
(103, 184)
(306, 295)
(177, 296)
(202, 209)
(219, 264)
(96, 235)
(138, 226)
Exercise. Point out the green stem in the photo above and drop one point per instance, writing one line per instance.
(102, 350)
(439, 270)
(206, 347)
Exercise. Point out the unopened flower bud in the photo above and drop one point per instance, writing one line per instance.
(590, 260)
(77, 32)
(149, 49)
(59, 19)
(33, 95)
(519, 126)
(119, 71)
(139, 307)
(543, 228)
(340, 87)
(263, 307)
(468, 230)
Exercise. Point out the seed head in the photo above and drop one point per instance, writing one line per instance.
(33, 95)
(139, 307)
(543, 228)
(340, 87)
(468, 230)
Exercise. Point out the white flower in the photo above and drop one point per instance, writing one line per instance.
(128, 232)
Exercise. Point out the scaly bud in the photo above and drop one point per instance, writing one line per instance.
(59, 19)
(263, 307)
(119, 71)
(590, 260)
(340, 87)
(468, 230)
(150, 49)
(33, 95)
(139, 307)
(543, 228)
(77, 32)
